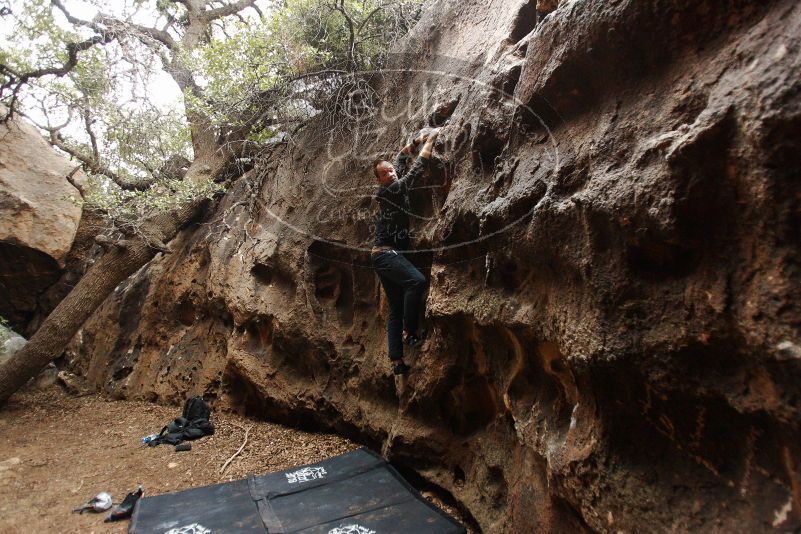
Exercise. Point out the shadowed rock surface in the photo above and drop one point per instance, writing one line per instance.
(611, 230)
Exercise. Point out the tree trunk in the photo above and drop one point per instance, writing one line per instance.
(115, 266)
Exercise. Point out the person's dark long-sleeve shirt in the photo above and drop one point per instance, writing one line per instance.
(392, 222)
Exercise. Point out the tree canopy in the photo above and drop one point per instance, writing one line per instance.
(131, 90)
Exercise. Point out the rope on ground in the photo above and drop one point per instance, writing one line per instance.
(241, 447)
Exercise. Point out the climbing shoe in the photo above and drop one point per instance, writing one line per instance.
(413, 340)
(125, 509)
(400, 368)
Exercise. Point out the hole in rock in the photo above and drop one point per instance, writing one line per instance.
(364, 288)
(462, 140)
(471, 406)
(130, 310)
(246, 399)
(783, 144)
(571, 176)
(505, 273)
(494, 483)
(265, 273)
(464, 228)
(443, 112)
(259, 332)
(327, 281)
(461, 237)
(297, 356)
(667, 425)
(657, 260)
(185, 311)
(122, 372)
(700, 222)
(333, 269)
(524, 22)
(532, 387)
(511, 213)
(458, 475)
(24, 274)
(216, 307)
(428, 195)
(536, 120)
(421, 484)
(511, 80)
(487, 146)
(262, 273)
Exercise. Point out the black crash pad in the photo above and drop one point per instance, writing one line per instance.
(355, 493)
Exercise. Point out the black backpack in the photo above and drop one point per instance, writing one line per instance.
(193, 424)
(196, 408)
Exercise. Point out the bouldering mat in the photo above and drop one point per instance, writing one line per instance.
(354, 493)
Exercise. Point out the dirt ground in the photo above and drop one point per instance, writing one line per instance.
(57, 451)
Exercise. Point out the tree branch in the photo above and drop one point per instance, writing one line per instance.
(229, 9)
(162, 36)
(15, 80)
(87, 122)
(71, 179)
(73, 19)
(91, 164)
(351, 34)
(98, 168)
(104, 24)
(368, 17)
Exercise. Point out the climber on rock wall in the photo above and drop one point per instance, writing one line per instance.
(403, 283)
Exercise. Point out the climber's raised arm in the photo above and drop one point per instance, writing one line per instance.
(402, 159)
(419, 164)
(431, 138)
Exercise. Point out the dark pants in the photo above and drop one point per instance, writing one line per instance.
(404, 286)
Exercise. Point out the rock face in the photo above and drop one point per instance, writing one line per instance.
(611, 234)
(39, 217)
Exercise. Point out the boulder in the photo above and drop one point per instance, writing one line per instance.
(610, 230)
(10, 342)
(39, 215)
